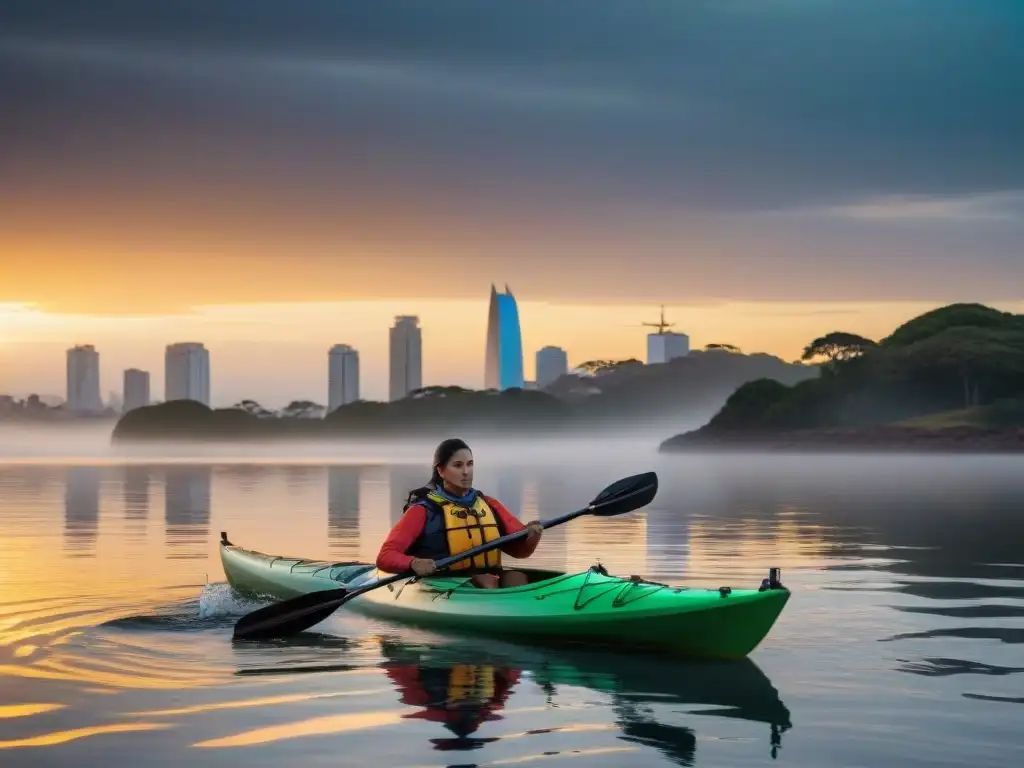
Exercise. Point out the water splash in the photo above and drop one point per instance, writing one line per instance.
(218, 601)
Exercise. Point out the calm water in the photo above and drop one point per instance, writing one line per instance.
(902, 644)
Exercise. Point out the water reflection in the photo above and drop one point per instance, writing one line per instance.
(554, 497)
(343, 505)
(81, 509)
(299, 478)
(458, 696)
(462, 685)
(901, 645)
(403, 478)
(135, 487)
(187, 497)
(509, 490)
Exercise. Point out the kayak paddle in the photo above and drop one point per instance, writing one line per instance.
(304, 611)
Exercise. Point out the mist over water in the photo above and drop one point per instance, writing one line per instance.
(900, 646)
(91, 442)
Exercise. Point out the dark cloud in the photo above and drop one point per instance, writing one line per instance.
(550, 114)
(716, 103)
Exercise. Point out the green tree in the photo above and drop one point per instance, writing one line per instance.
(982, 363)
(952, 316)
(747, 406)
(725, 347)
(303, 409)
(255, 409)
(837, 346)
(601, 367)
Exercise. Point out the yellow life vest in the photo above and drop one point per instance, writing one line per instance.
(466, 528)
(470, 684)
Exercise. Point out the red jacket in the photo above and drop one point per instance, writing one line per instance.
(392, 557)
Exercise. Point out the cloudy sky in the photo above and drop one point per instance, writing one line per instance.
(159, 160)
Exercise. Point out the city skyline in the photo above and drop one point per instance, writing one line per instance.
(700, 163)
(288, 364)
(187, 364)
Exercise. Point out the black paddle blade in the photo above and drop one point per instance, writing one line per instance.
(289, 616)
(625, 495)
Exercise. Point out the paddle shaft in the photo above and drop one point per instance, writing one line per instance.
(306, 610)
(443, 563)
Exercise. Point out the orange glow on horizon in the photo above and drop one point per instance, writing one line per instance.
(287, 343)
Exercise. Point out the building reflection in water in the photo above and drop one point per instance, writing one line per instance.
(374, 510)
(508, 489)
(550, 498)
(344, 486)
(668, 543)
(365, 502)
(81, 509)
(135, 499)
(300, 479)
(187, 491)
(403, 478)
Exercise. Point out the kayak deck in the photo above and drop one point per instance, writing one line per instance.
(591, 607)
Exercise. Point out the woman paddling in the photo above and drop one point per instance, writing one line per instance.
(448, 516)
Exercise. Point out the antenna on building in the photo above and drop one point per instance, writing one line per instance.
(660, 325)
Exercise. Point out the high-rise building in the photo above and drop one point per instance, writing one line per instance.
(406, 352)
(136, 389)
(665, 345)
(552, 362)
(662, 347)
(83, 379)
(187, 372)
(503, 366)
(342, 376)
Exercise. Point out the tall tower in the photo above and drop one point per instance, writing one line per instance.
(664, 346)
(83, 379)
(406, 352)
(503, 365)
(187, 372)
(342, 376)
(135, 392)
(552, 362)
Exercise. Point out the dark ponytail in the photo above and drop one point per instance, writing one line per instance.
(442, 455)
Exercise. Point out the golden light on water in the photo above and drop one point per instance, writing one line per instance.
(26, 710)
(74, 734)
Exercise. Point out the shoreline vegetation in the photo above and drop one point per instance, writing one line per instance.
(950, 380)
(599, 396)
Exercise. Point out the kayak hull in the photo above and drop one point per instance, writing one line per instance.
(591, 607)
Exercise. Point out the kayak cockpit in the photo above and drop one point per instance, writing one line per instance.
(534, 578)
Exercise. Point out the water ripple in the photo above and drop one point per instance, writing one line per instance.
(128, 655)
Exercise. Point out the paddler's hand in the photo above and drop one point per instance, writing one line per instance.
(535, 529)
(423, 566)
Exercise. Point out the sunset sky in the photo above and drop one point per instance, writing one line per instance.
(273, 178)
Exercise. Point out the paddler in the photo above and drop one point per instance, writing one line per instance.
(448, 516)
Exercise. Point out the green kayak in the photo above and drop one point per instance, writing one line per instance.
(591, 607)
